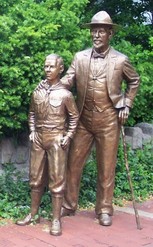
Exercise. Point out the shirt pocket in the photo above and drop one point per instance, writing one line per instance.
(39, 106)
(56, 105)
(55, 102)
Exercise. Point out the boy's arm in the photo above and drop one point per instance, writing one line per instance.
(31, 121)
(73, 117)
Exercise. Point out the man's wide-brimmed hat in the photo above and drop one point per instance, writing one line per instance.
(101, 18)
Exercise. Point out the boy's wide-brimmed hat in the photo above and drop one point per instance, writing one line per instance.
(101, 18)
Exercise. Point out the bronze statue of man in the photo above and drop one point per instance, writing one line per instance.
(53, 119)
(98, 73)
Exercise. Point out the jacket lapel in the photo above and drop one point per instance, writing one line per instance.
(86, 63)
(110, 65)
(86, 67)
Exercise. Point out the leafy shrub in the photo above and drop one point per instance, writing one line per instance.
(142, 61)
(141, 171)
(15, 195)
(30, 31)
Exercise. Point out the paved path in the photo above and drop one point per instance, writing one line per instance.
(83, 230)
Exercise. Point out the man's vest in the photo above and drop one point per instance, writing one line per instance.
(97, 98)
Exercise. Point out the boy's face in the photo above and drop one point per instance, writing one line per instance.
(52, 70)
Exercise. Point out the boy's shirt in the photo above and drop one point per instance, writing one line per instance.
(53, 107)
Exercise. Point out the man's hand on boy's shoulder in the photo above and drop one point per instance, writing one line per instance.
(40, 85)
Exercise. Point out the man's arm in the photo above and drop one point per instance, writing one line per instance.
(132, 80)
(69, 79)
(73, 117)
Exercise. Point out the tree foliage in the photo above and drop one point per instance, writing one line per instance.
(142, 60)
(29, 31)
(125, 12)
(32, 29)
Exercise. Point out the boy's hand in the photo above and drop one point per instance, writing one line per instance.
(65, 142)
(32, 136)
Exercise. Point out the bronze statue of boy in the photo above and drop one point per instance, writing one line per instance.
(53, 119)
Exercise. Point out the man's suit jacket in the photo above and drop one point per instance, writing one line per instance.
(118, 69)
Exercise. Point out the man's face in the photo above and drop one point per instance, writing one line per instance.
(52, 69)
(101, 36)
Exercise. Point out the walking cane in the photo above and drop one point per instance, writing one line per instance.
(130, 181)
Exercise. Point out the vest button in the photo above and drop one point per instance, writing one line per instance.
(94, 78)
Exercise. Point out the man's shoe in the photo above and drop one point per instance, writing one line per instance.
(56, 229)
(28, 220)
(67, 212)
(105, 220)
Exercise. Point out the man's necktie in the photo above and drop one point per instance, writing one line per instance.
(98, 55)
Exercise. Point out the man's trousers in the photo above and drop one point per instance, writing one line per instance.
(103, 129)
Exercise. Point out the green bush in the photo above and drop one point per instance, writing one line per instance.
(141, 171)
(142, 61)
(29, 31)
(15, 195)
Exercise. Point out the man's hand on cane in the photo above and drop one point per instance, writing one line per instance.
(123, 114)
